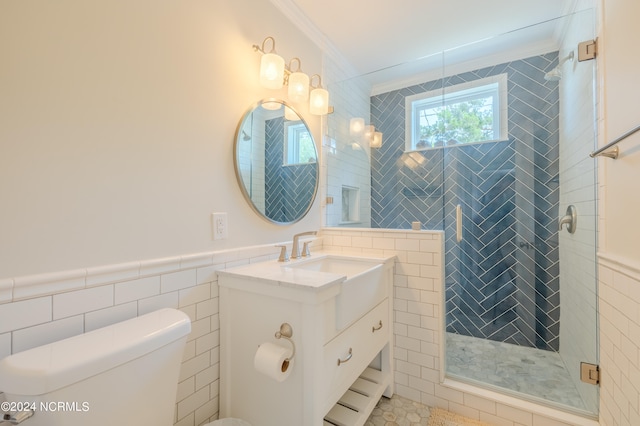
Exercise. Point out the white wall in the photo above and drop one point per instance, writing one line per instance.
(619, 251)
(117, 122)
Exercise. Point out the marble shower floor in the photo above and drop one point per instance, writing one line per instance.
(522, 369)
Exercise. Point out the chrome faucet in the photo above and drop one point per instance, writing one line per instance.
(284, 256)
(295, 250)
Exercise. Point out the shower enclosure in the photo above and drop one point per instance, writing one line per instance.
(520, 294)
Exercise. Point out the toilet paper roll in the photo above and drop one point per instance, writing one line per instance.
(271, 360)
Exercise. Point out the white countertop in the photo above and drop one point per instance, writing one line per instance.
(287, 274)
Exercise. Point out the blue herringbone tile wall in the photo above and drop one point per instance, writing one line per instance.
(288, 189)
(502, 279)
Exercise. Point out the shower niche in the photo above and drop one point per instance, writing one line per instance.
(350, 205)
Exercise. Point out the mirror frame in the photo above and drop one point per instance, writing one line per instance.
(239, 179)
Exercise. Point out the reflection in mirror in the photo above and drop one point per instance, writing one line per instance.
(348, 185)
(276, 162)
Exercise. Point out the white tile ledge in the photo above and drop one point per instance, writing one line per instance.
(31, 286)
(521, 404)
(197, 260)
(368, 231)
(13, 289)
(6, 290)
(626, 266)
(109, 274)
(159, 266)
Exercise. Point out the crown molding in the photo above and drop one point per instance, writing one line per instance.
(306, 25)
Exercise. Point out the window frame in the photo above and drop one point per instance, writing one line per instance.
(292, 132)
(454, 94)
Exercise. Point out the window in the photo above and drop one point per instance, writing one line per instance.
(464, 113)
(299, 146)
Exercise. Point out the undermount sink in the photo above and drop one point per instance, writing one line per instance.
(363, 288)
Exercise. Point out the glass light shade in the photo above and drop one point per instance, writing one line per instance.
(356, 126)
(376, 141)
(319, 103)
(298, 87)
(290, 114)
(271, 106)
(369, 130)
(272, 71)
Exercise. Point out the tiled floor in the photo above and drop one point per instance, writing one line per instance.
(522, 369)
(398, 411)
(536, 372)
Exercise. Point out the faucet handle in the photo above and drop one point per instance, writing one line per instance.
(305, 249)
(284, 256)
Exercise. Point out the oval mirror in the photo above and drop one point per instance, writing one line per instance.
(276, 162)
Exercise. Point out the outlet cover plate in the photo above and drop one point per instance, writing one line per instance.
(220, 228)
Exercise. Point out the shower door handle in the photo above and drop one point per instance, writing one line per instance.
(458, 223)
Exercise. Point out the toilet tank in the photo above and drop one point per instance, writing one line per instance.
(124, 374)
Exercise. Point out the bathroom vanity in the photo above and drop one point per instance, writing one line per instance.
(340, 312)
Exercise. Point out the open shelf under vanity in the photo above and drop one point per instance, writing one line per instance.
(356, 405)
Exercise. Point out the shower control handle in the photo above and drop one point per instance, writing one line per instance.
(570, 219)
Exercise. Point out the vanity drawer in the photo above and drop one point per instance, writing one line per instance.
(363, 342)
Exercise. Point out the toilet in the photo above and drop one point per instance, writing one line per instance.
(125, 374)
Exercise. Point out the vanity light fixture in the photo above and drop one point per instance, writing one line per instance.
(369, 129)
(274, 74)
(290, 115)
(271, 66)
(376, 140)
(319, 99)
(356, 126)
(298, 84)
(368, 133)
(272, 106)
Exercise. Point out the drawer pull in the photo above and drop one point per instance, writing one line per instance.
(342, 361)
(374, 328)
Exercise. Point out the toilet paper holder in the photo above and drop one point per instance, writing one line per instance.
(286, 332)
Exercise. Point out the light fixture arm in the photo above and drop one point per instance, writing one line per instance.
(290, 66)
(262, 49)
(288, 69)
(319, 86)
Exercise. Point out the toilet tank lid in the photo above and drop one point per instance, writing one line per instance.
(53, 366)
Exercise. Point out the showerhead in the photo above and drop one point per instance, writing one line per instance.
(556, 73)
(553, 75)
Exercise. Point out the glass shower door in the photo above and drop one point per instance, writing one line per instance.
(513, 272)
